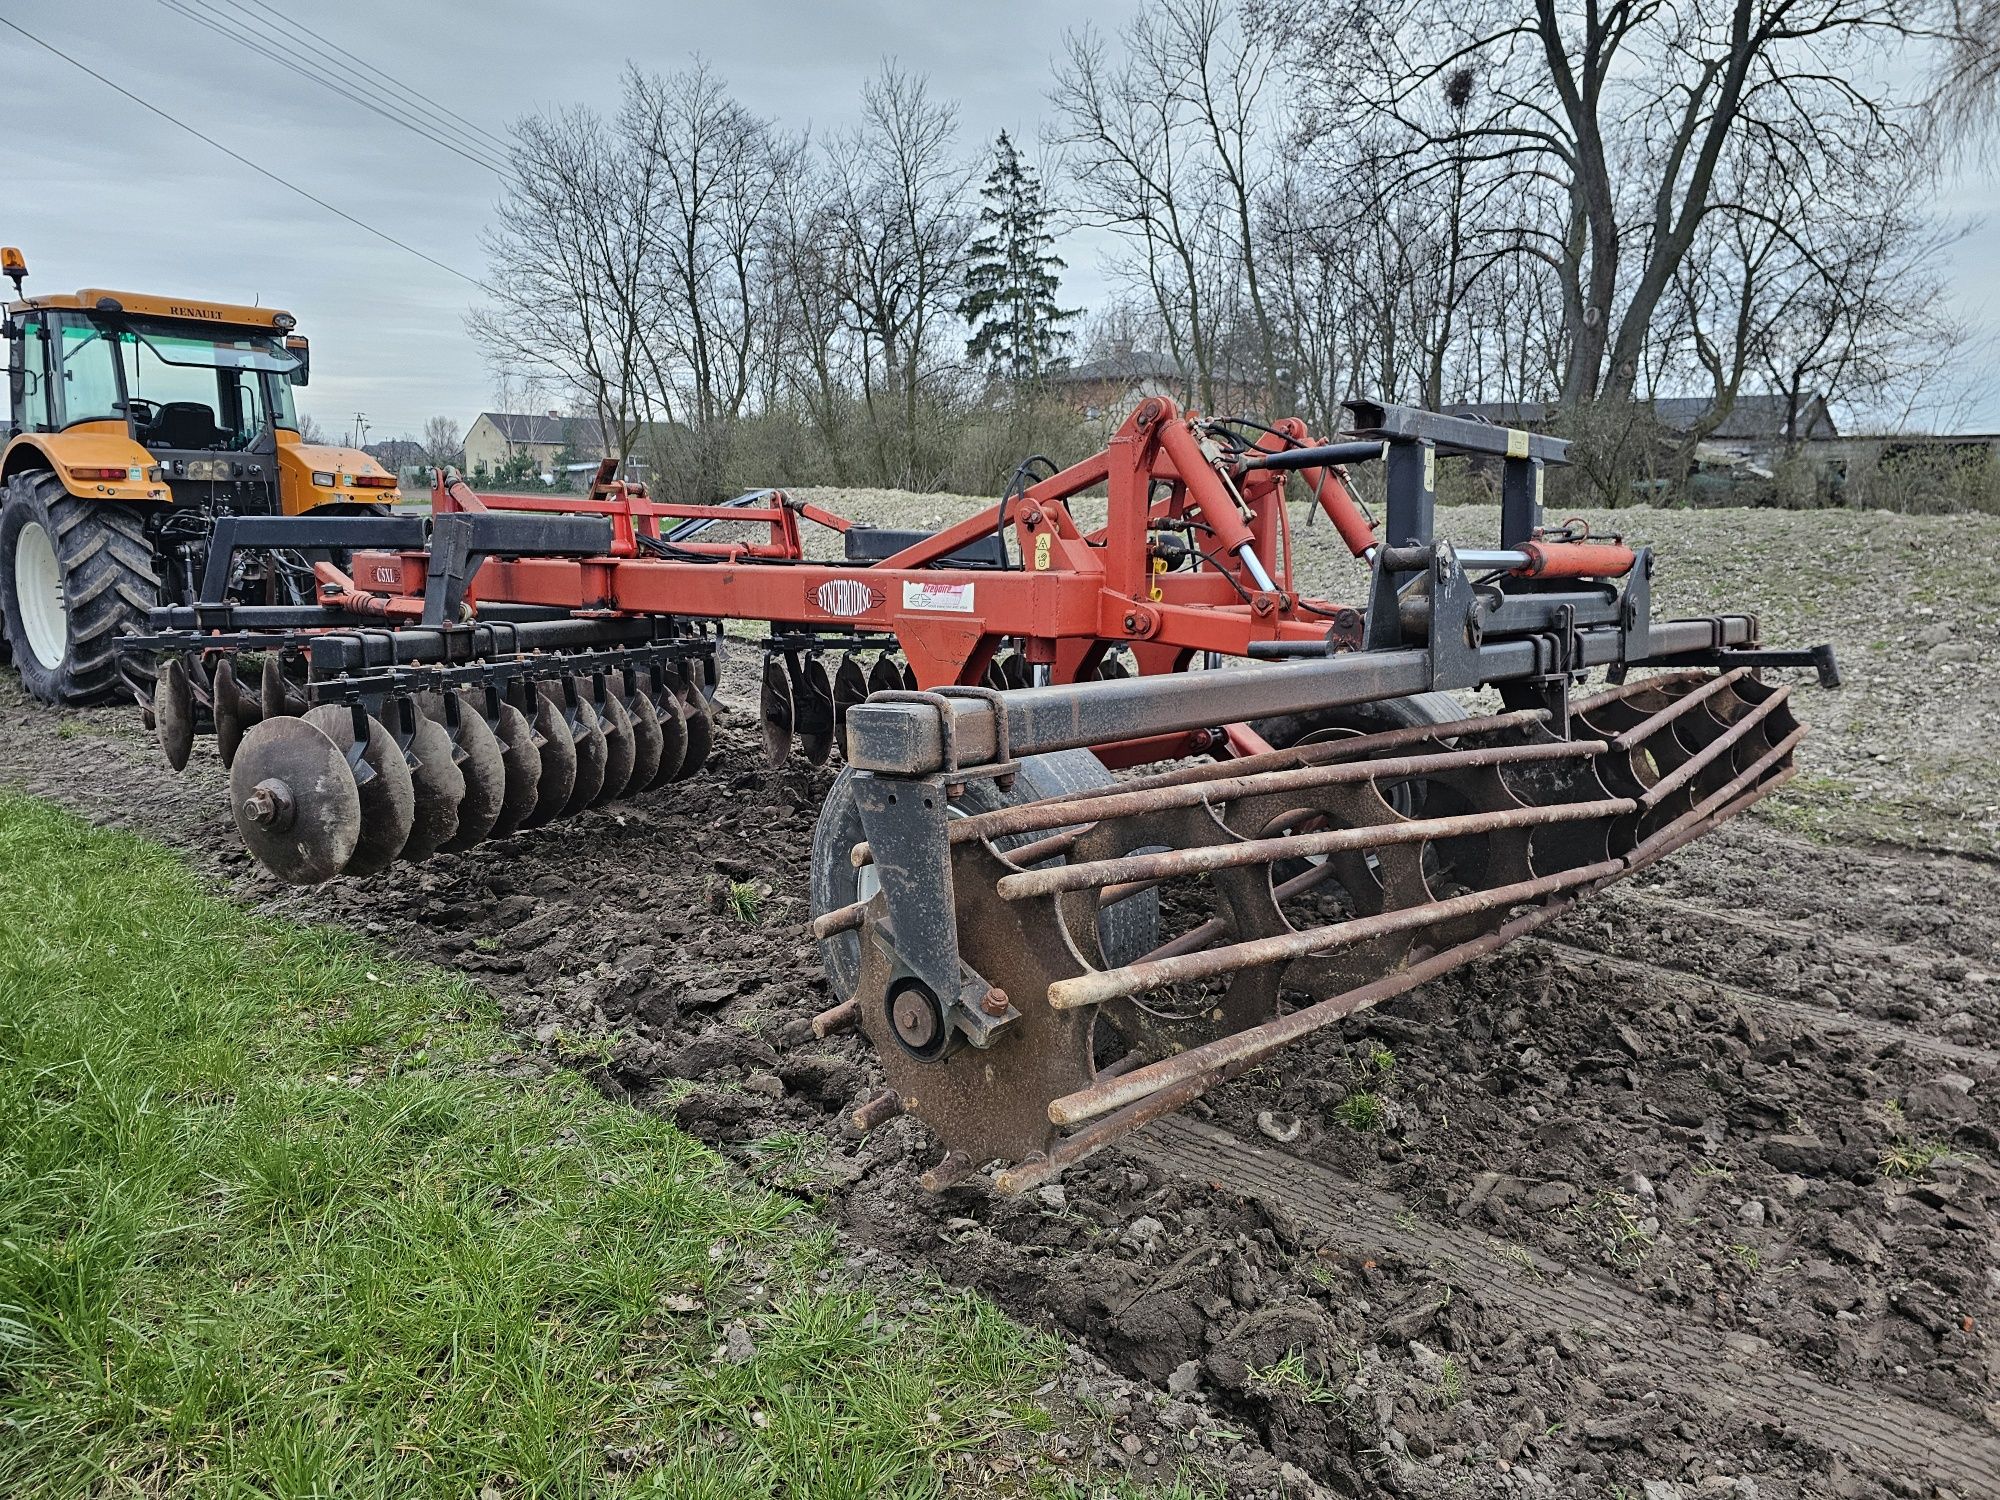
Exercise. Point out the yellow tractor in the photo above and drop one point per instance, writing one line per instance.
(133, 422)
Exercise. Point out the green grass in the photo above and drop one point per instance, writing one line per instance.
(745, 901)
(273, 1222)
(1292, 1376)
(1360, 1111)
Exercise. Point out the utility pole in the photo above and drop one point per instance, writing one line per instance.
(360, 429)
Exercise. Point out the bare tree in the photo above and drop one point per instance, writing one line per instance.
(715, 180)
(1623, 113)
(443, 443)
(1826, 288)
(808, 305)
(1968, 76)
(899, 210)
(1139, 168)
(573, 305)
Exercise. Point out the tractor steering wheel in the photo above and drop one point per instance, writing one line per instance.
(130, 406)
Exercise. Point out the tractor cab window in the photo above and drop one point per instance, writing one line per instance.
(243, 406)
(33, 375)
(192, 388)
(284, 412)
(87, 379)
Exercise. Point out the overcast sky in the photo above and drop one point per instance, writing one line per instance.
(101, 192)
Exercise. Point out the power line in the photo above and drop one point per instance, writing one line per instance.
(283, 182)
(291, 59)
(444, 114)
(428, 120)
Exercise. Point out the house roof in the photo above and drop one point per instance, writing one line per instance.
(1749, 416)
(530, 427)
(581, 435)
(1133, 364)
(1504, 413)
(397, 452)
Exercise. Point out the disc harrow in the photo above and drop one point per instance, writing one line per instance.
(802, 706)
(349, 770)
(1123, 809)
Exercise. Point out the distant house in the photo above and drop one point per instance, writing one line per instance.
(1111, 385)
(398, 454)
(497, 438)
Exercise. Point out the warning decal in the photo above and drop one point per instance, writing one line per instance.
(948, 598)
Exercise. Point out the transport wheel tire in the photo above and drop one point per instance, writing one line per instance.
(75, 574)
(1360, 718)
(1126, 930)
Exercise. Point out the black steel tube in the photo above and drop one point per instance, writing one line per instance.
(1516, 614)
(1169, 863)
(1314, 458)
(903, 739)
(352, 650)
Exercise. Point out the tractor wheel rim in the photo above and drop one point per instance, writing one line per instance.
(39, 593)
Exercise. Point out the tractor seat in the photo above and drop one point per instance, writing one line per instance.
(186, 424)
(873, 544)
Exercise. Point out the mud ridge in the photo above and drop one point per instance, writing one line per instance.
(1735, 1374)
(1583, 959)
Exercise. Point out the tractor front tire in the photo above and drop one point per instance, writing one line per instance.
(75, 574)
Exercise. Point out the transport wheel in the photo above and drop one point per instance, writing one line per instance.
(75, 574)
(1126, 930)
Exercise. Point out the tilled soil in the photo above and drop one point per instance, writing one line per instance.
(1694, 1196)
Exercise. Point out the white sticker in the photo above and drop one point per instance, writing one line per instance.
(950, 598)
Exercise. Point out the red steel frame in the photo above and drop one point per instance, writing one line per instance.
(1075, 595)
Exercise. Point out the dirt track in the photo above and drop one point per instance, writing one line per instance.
(1625, 1217)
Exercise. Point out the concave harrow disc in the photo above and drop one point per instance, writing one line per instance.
(235, 711)
(1295, 888)
(558, 772)
(295, 801)
(775, 714)
(437, 784)
(521, 754)
(173, 713)
(381, 775)
(619, 752)
(482, 764)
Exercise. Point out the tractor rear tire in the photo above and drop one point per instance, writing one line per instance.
(75, 574)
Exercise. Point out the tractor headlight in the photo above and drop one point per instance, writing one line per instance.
(323, 479)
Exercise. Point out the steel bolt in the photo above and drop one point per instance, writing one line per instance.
(914, 1018)
(994, 1002)
(269, 803)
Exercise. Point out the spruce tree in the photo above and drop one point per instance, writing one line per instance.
(1010, 299)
